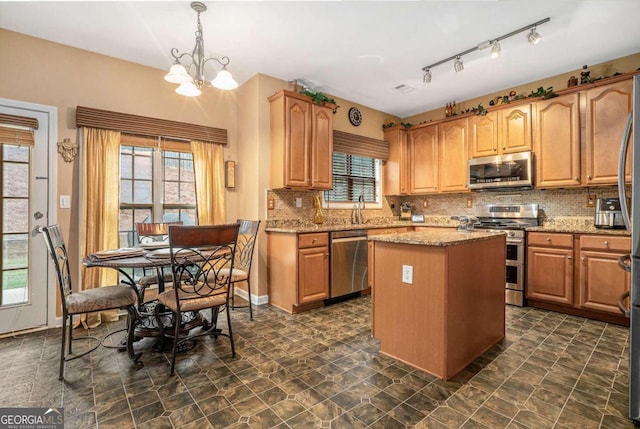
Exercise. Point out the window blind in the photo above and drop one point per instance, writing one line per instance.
(20, 121)
(16, 136)
(353, 144)
(142, 125)
(155, 142)
(353, 176)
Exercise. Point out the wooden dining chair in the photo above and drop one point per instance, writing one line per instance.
(199, 254)
(149, 234)
(247, 235)
(85, 301)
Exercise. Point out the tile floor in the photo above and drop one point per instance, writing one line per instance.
(322, 369)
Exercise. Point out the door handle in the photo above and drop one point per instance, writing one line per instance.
(623, 264)
(624, 310)
(38, 215)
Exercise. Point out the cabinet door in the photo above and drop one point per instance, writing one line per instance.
(601, 281)
(550, 275)
(557, 142)
(313, 274)
(423, 160)
(297, 144)
(515, 129)
(454, 155)
(483, 135)
(395, 177)
(607, 110)
(321, 147)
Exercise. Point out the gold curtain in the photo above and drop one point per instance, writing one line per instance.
(100, 209)
(208, 166)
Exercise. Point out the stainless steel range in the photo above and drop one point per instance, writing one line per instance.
(514, 218)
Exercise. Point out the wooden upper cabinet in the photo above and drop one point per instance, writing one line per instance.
(395, 171)
(301, 142)
(515, 129)
(321, 147)
(296, 151)
(423, 160)
(557, 142)
(607, 108)
(483, 135)
(454, 155)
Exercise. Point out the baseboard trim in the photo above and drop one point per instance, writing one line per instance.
(255, 299)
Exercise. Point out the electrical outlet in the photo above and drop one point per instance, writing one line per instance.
(299, 202)
(407, 274)
(271, 204)
(65, 202)
(591, 200)
(425, 204)
(469, 202)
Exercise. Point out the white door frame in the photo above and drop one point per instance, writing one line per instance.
(52, 174)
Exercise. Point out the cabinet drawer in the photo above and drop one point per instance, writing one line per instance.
(313, 240)
(542, 239)
(605, 243)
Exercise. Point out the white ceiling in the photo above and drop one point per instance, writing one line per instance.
(358, 51)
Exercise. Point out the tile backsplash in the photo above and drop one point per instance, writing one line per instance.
(554, 203)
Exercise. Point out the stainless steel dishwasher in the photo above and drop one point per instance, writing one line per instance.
(348, 263)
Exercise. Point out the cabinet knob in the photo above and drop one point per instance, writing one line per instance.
(569, 257)
(576, 178)
(548, 238)
(504, 148)
(582, 258)
(326, 254)
(589, 177)
(606, 243)
(313, 240)
(495, 149)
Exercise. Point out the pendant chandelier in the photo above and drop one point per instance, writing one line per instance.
(190, 85)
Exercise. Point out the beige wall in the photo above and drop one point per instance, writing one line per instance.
(621, 65)
(38, 71)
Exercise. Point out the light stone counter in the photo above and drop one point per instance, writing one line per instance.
(437, 238)
(575, 225)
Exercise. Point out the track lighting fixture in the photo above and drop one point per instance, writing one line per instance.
(533, 37)
(457, 64)
(426, 76)
(495, 49)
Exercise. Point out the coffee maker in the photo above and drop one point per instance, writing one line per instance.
(608, 214)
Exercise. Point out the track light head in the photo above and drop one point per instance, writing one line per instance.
(534, 37)
(457, 64)
(426, 76)
(495, 49)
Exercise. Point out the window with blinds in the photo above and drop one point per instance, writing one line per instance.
(354, 175)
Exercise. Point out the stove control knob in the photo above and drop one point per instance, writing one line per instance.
(511, 234)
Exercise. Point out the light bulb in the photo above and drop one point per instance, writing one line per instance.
(495, 49)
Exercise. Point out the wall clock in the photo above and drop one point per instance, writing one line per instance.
(355, 117)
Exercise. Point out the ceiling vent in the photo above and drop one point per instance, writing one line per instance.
(402, 88)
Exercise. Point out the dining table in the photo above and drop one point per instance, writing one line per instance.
(125, 261)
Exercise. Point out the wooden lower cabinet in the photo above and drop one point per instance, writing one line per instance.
(601, 281)
(550, 274)
(298, 270)
(588, 288)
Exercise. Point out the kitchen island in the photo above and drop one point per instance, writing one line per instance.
(438, 297)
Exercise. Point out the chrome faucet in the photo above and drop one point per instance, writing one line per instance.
(356, 213)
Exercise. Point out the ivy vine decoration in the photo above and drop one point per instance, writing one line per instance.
(481, 111)
(406, 125)
(388, 125)
(545, 94)
(319, 98)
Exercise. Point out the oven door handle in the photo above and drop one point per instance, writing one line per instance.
(515, 240)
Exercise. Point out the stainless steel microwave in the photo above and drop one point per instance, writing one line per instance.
(514, 170)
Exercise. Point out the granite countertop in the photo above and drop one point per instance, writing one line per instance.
(575, 225)
(437, 238)
(569, 225)
(294, 227)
